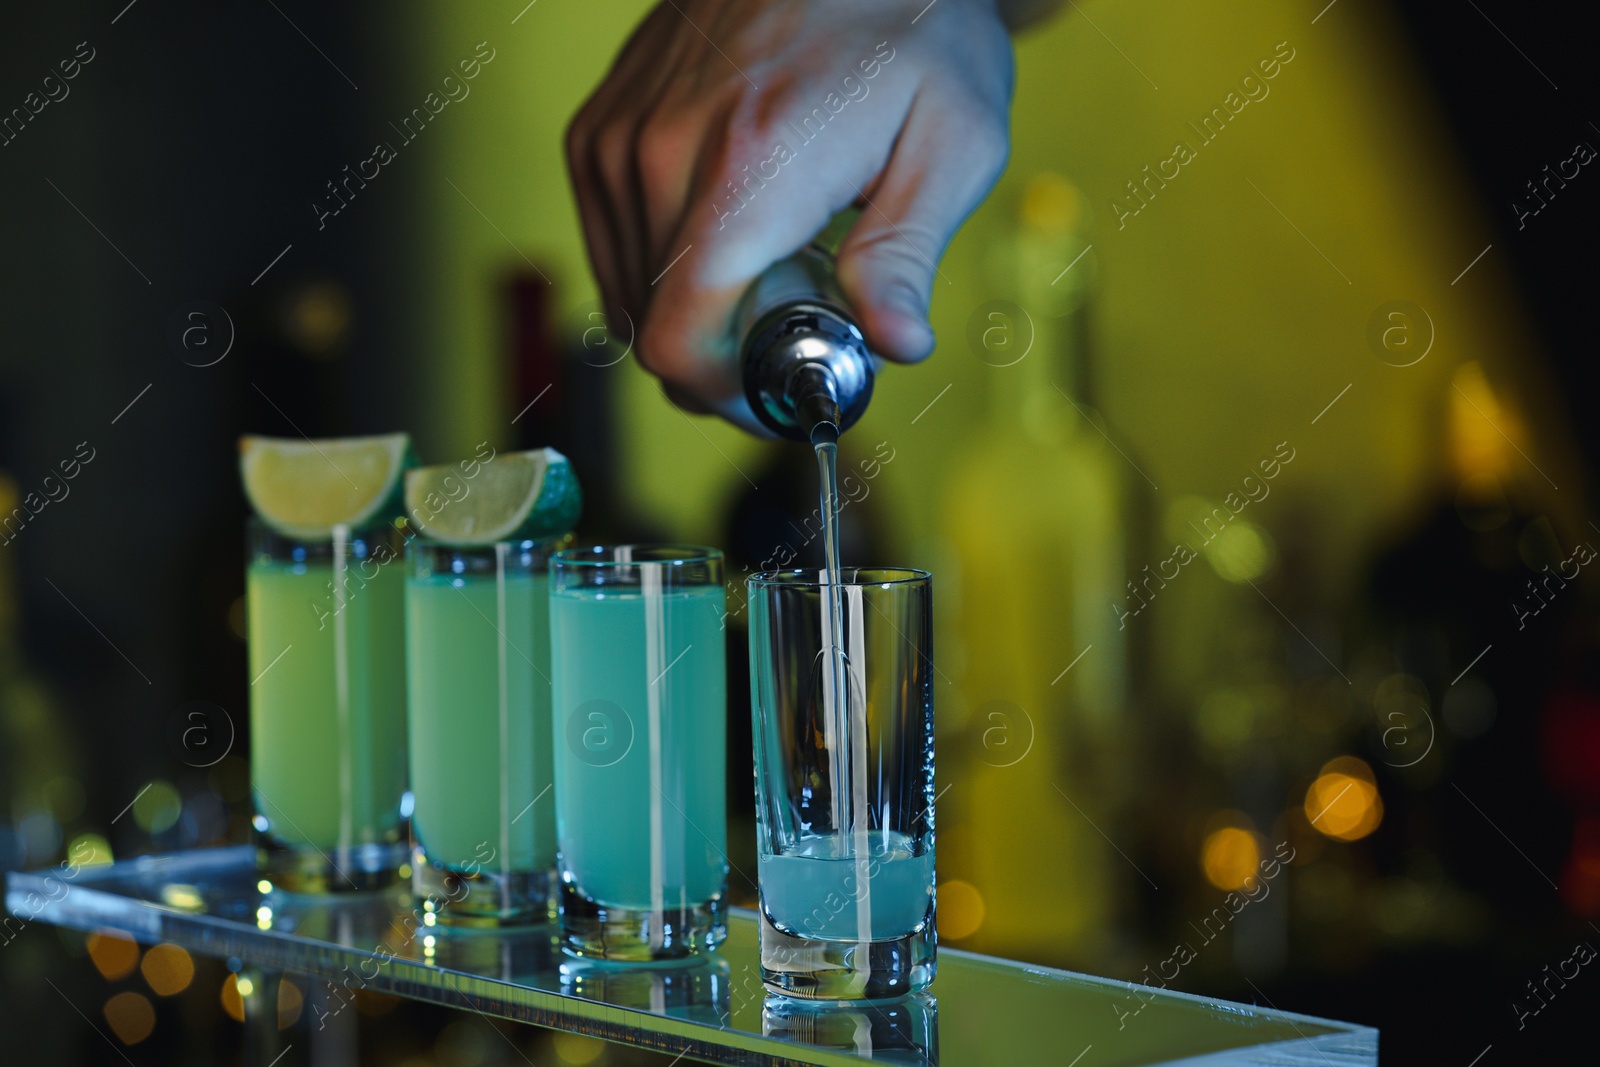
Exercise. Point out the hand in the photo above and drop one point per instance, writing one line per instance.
(729, 132)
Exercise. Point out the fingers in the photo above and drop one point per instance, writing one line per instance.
(599, 161)
(887, 265)
(683, 400)
(765, 185)
(691, 180)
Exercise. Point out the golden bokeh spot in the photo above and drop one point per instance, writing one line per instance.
(961, 909)
(290, 1001)
(232, 1002)
(1230, 858)
(1343, 802)
(1051, 203)
(577, 1049)
(317, 318)
(183, 897)
(1483, 430)
(168, 969)
(1353, 766)
(130, 1017)
(114, 955)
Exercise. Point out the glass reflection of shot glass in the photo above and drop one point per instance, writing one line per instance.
(844, 782)
(327, 706)
(904, 1031)
(478, 689)
(640, 711)
(696, 988)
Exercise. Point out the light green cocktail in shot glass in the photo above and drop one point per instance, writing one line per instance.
(478, 674)
(326, 630)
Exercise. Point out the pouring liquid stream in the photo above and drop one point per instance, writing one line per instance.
(844, 695)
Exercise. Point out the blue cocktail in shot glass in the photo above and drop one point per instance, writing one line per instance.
(640, 719)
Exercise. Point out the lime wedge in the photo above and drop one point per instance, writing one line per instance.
(304, 488)
(510, 496)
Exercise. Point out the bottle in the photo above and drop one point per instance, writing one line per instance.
(1036, 522)
(805, 361)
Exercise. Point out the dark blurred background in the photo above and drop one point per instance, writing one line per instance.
(1340, 361)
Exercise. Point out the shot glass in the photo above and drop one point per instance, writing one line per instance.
(478, 700)
(640, 709)
(843, 724)
(327, 706)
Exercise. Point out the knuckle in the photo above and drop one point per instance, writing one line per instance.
(658, 349)
(664, 150)
(613, 147)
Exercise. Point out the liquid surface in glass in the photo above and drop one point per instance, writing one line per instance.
(811, 891)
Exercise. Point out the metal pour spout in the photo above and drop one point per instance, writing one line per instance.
(806, 362)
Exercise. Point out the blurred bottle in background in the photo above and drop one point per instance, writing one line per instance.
(1042, 525)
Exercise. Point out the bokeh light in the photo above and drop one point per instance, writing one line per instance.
(158, 807)
(232, 1002)
(577, 1049)
(290, 1002)
(183, 897)
(168, 969)
(1242, 552)
(961, 909)
(1580, 876)
(1483, 430)
(113, 955)
(1230, 857)
(89, 850)
(130, 1017)
(1343, 802)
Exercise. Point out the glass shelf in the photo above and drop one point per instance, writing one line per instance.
(980, 1010)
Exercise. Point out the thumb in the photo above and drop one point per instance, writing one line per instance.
(888, 265)
(888, 284)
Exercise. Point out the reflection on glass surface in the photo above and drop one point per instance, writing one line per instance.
(711, 1010)
(904, 1031)
(521, 957)
(690, 989)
